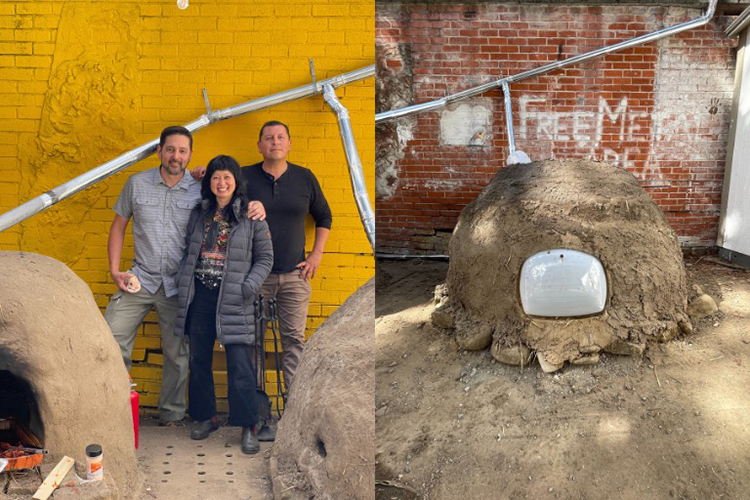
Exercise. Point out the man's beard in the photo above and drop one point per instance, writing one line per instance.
(175, 168)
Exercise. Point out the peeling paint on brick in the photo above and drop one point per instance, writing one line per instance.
(467, 124)
(393, 90)
(390, 149)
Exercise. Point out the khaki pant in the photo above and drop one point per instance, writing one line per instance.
(125, 313)
(292, 295)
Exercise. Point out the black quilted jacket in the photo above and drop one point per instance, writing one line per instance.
(248, 263)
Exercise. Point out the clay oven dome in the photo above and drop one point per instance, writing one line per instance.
(325, 446)
(583, 206)
(61, 372)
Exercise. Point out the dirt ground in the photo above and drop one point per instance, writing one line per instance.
(457, 424)
(176, 467)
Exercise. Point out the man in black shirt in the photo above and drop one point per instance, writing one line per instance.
(288, 193)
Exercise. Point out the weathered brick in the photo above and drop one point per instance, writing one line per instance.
(255, 11)
(178, 63)
(43, 48)
(195, 50)
(150, 10)
(253, 38)
(252, 64)
(35, 35)
(330, 10)
(293, 10)
(33, 61)
(216, 37)
(308, 24)
(160, 50)
(179, 37)
(35, 8)
(215, 63)
(550, 110)
(219, 11)
(15, 48)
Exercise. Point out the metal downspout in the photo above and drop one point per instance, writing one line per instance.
(633, 42)
(508, 118)
(355, 165)
(46, 200)
(514, 156)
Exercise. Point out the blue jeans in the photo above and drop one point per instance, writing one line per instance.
(201, 328)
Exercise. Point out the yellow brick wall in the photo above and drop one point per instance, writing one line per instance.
(83, 82)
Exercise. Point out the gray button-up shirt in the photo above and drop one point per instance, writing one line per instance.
(160, 216)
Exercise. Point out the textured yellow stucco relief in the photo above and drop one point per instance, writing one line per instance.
(90, 115)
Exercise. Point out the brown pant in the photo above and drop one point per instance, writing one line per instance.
(292, 295)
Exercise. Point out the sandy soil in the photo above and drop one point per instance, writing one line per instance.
(457, 424)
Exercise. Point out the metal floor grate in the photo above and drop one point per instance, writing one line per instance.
(179, 467)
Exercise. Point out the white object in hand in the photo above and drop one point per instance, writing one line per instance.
(133, 285)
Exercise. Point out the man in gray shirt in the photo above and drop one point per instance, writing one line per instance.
(159, 201)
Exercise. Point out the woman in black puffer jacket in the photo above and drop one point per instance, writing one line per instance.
(227, 259)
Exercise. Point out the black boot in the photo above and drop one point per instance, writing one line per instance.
(266, 434)
(204, 428)
(250, 444)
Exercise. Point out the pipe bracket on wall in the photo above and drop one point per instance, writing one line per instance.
(208, 105)
(312, 71)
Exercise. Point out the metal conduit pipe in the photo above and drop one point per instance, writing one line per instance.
(46, 200)
(633, 42)
(508, 118)
(356, 174)
(514, 156)
(290, 95)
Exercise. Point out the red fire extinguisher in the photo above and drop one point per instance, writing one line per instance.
(134, 410)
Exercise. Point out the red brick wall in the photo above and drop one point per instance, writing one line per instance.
(659, 110)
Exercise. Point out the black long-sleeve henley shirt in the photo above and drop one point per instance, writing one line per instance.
(287, 201)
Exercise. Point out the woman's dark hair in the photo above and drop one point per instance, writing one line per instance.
(225, 162)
